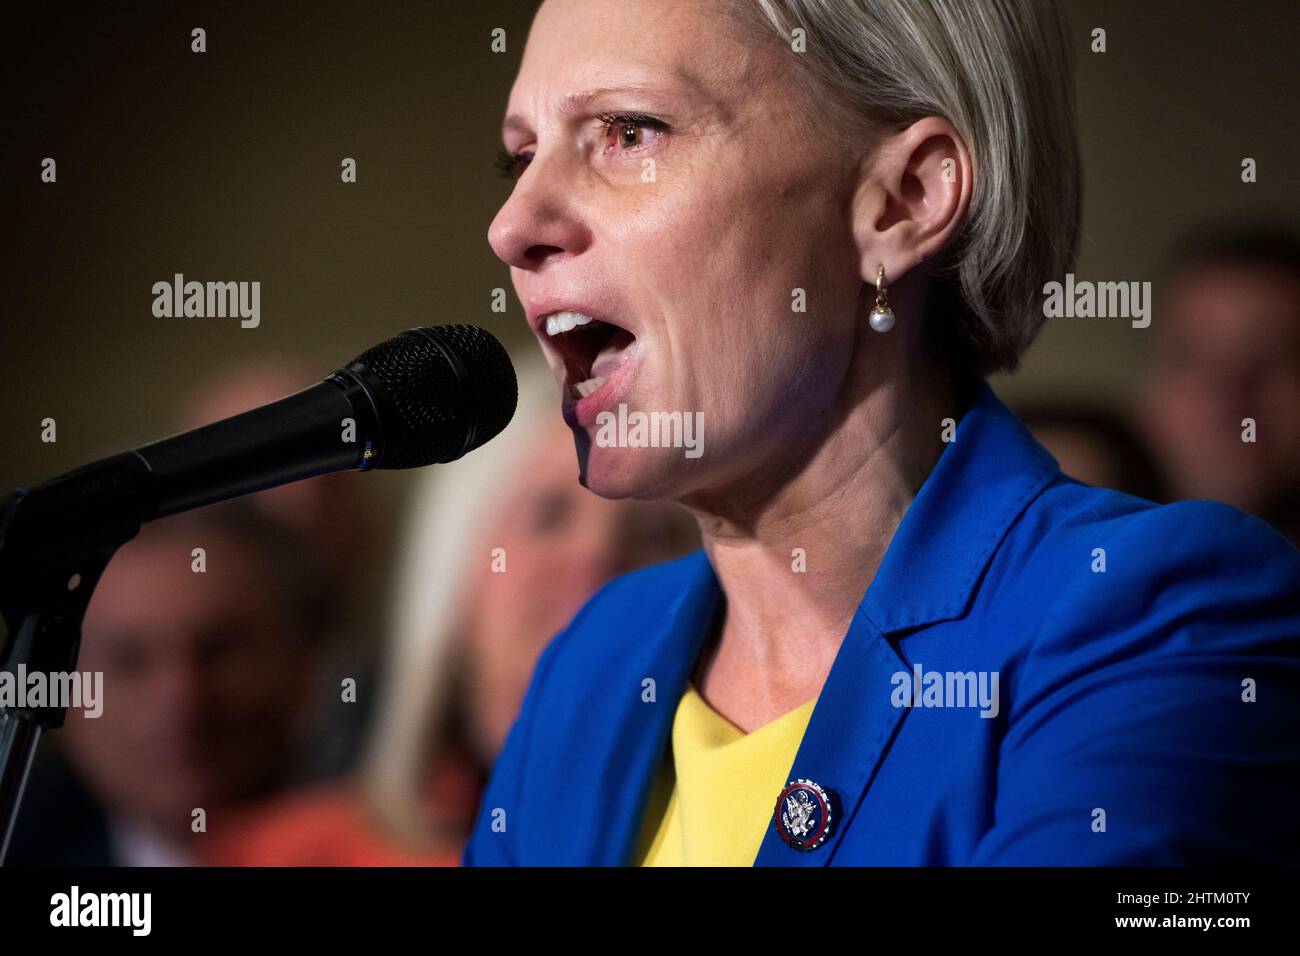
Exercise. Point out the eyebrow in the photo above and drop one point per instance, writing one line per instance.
(575, 103)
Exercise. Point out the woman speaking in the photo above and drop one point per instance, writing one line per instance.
(772, 248)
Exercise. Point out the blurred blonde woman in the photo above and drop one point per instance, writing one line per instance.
(501, 548)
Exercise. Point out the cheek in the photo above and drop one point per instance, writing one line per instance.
(747, 313)
(1185, 407)
(772, 275)
(731, 237)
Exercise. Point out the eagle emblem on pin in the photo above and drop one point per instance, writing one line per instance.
(803, 815)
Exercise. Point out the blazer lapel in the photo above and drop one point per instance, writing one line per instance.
(848, 735)
(641, 730)
(977, 490)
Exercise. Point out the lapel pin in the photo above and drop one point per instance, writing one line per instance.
(803, 815)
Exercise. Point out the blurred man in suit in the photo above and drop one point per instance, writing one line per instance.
(1221, 408)
(207, 659)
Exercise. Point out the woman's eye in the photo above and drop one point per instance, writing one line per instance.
(621, 131)
(511, 165)
(550, 512)
(630, 130)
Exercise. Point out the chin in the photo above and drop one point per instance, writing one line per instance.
(650, 474)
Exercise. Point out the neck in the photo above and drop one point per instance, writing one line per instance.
(795, 559)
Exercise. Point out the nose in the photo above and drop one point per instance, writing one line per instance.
(539, 223)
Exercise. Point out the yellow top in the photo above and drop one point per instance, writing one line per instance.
(720, 787)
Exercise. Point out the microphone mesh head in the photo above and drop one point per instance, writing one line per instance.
(440, 392)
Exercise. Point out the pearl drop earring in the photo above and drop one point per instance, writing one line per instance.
(882, 316)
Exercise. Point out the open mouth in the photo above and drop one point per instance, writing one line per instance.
(590, 348)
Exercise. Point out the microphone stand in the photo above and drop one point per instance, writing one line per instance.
(52, 554)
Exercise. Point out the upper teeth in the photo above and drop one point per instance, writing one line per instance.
(565, 322)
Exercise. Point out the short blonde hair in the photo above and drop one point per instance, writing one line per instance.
(1001, 72)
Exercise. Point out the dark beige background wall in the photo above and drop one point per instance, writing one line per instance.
(225, 166)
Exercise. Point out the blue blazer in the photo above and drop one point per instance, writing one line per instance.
(1148, 712)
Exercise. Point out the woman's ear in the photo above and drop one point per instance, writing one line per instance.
(913, 194)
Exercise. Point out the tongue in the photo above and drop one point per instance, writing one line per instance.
(610, 355)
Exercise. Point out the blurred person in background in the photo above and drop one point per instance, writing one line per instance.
(1228, 349)
(502, 549)
(327, 511)
(331, 517)
(1096, 447)
(206, 671)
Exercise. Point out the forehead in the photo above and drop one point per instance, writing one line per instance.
(627, 28)
(581, 46)
(1253, 288)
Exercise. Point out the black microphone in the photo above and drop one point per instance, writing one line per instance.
(428, 395)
